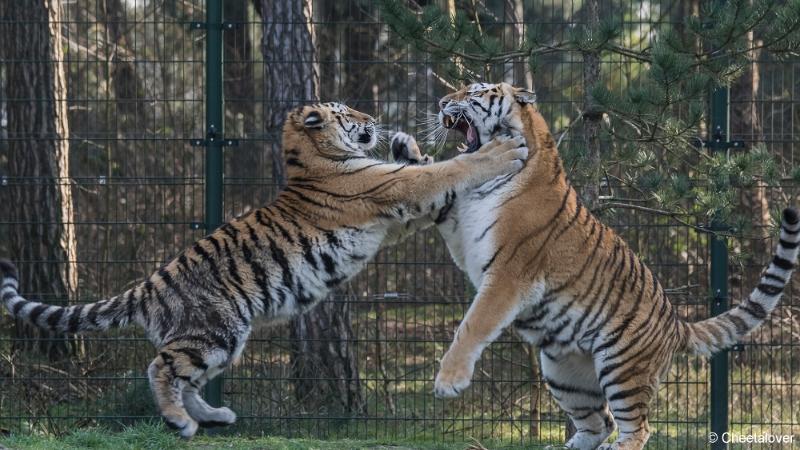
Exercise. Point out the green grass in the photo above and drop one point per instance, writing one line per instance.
(155, 436)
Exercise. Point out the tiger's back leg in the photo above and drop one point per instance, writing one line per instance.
(176, 376)
(205, 414)
(629, 371)
(573, 383)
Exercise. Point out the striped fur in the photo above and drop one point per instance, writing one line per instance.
(275, 261)
(545, 265)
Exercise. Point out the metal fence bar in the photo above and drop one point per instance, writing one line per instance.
(214, 142)
(720, 126)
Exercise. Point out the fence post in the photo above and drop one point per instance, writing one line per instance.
(214, 142)
(720, 127)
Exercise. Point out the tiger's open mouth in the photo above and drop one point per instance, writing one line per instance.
(464, 126)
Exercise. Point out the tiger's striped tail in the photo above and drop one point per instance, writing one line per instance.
(721, 332)
(115, 312)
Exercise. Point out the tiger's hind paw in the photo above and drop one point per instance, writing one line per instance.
(220, 417)
(187, 427)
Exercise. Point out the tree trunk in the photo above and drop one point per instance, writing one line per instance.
(129, 91)
(292, 76)
(324, 364)
(754, 202)
(324, 367)
(39, 198)
(590, 193)
(516, 72)
(239, 90)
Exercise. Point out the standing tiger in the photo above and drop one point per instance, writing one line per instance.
(275, 261)
(567, 283)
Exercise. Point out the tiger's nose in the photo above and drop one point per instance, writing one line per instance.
(442, 103)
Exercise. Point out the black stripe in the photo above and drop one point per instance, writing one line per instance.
(91, 316)
(309, 200)
(328, 262)
(308, 253)
(131, 304)
(235, 278)
(754, 309)
(782, 263)
(165, 318)
(486, 230)
(259, 273)
(171, 284)
(777, 278)
(9, 295)
(214, 242)
(571, 389)
(18, 306)
(36, 312)
(195, 357)
(626, 393)
(445, 210)
(788, 244)
(788, 231)
(488, 264)
(769, 289)
(54, 318)
(331, 237)
(741, 326)
(284, 232)
(144, 309)
(279, 256)
(75, 319)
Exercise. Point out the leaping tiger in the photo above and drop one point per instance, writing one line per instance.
(567, 283)
(273, 262)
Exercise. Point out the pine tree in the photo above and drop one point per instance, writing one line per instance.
(649, 127)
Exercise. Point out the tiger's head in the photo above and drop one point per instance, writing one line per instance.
(336, 130)
(482, 111)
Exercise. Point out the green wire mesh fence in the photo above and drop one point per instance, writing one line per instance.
(132, 108)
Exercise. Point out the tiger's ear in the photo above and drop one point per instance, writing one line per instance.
(313, 120)
(524, 96)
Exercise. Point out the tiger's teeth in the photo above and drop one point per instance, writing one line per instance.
(462, 147)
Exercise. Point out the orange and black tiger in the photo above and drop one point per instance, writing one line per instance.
(274, 262)
(544, 264)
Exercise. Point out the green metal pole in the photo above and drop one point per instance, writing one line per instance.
(214, 138)
(720, 128)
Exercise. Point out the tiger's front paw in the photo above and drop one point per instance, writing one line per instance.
(451, 380)
(499, 157)
(405, 150)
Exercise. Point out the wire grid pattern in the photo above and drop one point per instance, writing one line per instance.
(136, 98)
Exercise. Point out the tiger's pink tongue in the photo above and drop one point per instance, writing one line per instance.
(471, 136)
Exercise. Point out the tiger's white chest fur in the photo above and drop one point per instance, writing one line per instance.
(469, 230)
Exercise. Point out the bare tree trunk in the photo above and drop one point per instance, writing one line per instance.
(129, 91)
(517, 72)
(590, 192)
(324, 366)
(239, 90)
(40, 203)
(754, 201)
(292, 76)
